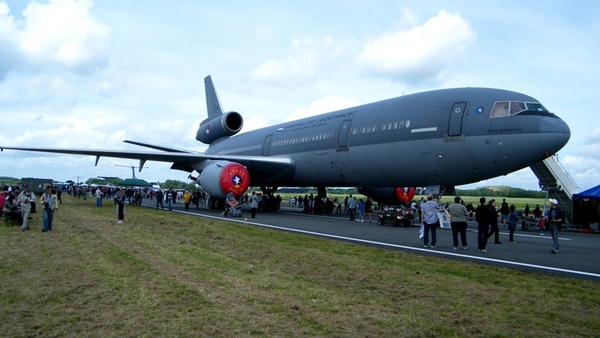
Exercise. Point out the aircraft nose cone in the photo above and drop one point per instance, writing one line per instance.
(555, 134)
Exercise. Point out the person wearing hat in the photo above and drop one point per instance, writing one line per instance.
(26, 199)
(556, 218)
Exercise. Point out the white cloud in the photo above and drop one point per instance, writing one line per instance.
(422, 54)
(8, 28)
(584, 170)
(58, 33)
(305, 58)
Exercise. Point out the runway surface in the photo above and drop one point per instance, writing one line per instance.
(579, 255)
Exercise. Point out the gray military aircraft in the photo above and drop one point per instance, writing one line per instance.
(436, 139)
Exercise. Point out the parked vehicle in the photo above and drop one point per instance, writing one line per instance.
(397, 215)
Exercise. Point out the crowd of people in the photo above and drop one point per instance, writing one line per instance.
(18, 203)
(488, 216)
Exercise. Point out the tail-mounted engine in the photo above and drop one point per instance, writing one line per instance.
(224, 125)
(219, 178)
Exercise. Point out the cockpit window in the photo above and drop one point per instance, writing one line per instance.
(536, 106)
(508, 108)
(516, 107)
(500, 109)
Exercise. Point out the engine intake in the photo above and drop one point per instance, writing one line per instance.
(221, 177)
(225, 125)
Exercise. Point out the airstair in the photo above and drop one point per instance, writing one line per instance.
(557, 182)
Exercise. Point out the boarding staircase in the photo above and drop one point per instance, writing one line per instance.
(557, 183)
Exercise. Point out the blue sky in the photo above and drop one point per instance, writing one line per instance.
(88, 74)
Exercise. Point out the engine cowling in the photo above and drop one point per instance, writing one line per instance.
(224, 125)
(390, 196)
(219, 178)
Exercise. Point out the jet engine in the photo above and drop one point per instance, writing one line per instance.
(390, 196)
(224, 125)
(221, 177)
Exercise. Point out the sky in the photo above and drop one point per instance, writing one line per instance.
(90, 74)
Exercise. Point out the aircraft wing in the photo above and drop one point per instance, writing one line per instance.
(258, 166)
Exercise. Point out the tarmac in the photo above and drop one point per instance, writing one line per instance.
(578, 256)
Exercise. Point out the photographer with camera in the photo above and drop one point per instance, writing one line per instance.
(49, 202)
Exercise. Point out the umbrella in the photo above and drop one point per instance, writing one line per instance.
(134, 182)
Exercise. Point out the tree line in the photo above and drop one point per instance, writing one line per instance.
(495, 191)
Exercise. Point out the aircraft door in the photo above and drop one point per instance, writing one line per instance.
(456, 118)
(267, 145)
(343, 136)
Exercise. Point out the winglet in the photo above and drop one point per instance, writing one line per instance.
(213, 105)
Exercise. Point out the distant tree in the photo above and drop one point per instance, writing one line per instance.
(104, 181)
(174, 184)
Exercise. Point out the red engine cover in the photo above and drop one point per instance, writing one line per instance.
(404, 195)
(234, 176)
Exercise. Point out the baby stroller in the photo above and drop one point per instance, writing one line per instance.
(235, 211)
(232, 209)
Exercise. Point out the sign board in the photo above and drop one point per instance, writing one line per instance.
(444, 220)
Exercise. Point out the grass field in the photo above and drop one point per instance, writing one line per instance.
(171, 275)
(519, 202)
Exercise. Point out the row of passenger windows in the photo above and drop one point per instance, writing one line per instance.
(241, 150)
(298, 140)
(357, 130)
(381, 127)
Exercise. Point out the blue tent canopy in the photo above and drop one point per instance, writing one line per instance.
(592, 194)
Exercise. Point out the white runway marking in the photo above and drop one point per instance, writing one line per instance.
(396, 246)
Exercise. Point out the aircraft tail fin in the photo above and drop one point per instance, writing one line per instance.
(218, 124)
(213, 105)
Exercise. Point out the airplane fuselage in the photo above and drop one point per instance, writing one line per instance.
(443, 137)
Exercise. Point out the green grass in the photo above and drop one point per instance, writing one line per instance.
(165, 274)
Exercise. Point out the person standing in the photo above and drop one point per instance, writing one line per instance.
(351, 207)
(361, 211)
(504, 212)
(49, 202)
(430, 219)
(170, 197)
(458, 222)
(187, 198)
(482, 216)
(98, 195)
(494, 222)
(26, 199)
(369, 208)
(120, 200)
(513, 219)
(159, 199)
(254, 205)
(556, 218)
